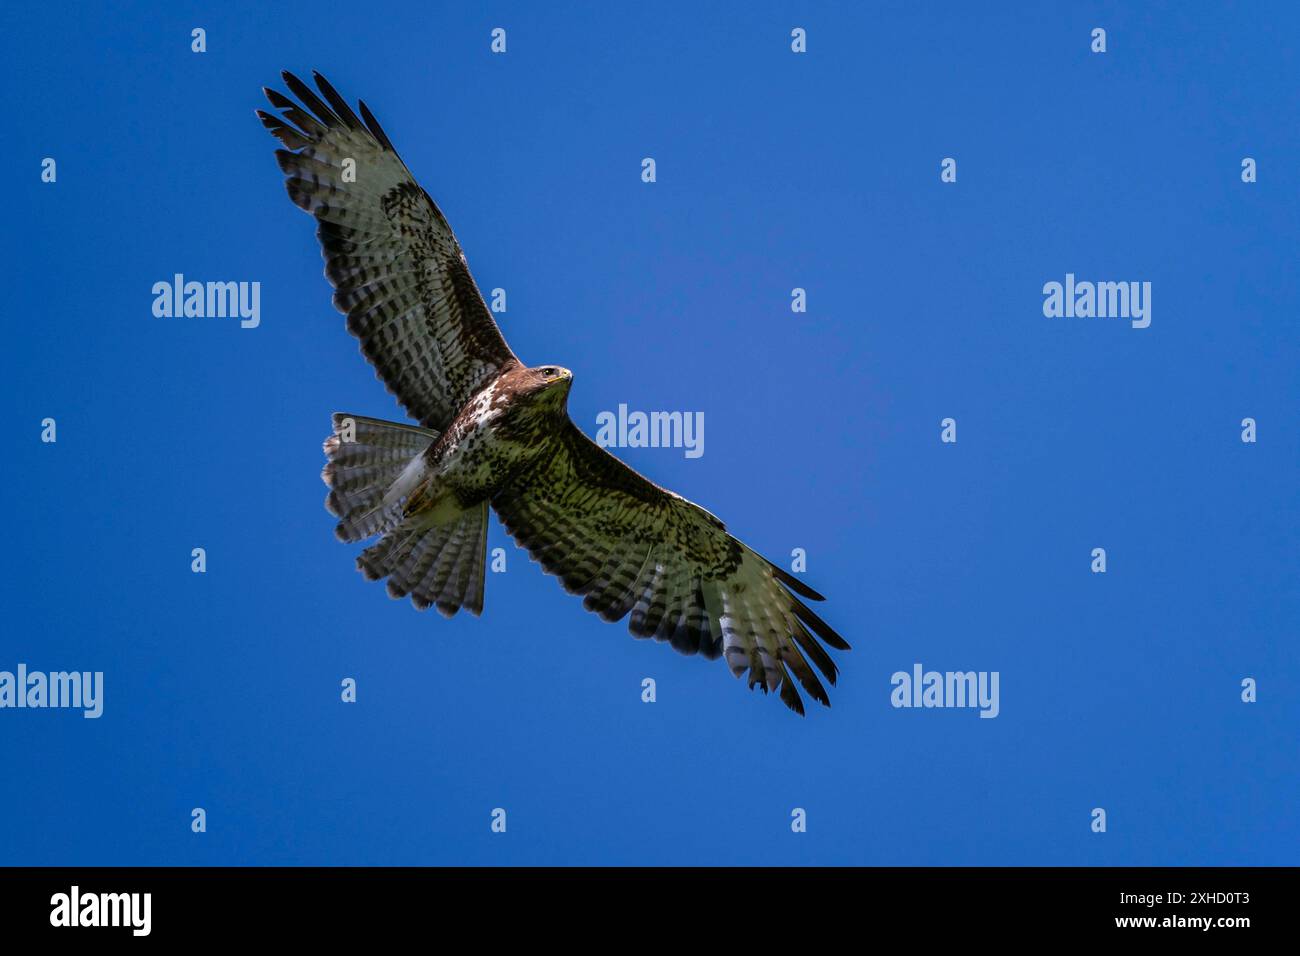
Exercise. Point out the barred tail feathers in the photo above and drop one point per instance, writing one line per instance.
(373, 468)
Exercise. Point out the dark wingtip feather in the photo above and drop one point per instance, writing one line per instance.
(789, 696)
(376, 130)
(288, 162)
(339, 103)
(816, 652)
(820, 627)
(269, 121)
(278, 99)
(311, 100)
(793, 583)
(281, 129)
(792, 660)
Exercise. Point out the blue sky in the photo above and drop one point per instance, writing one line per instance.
(775, 170)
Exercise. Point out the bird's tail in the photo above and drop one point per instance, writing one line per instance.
(373, 466)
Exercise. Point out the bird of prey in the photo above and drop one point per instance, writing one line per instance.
(494, 433)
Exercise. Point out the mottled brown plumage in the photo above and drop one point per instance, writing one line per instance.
(494, 433)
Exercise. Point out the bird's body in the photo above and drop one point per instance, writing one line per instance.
(495, 435)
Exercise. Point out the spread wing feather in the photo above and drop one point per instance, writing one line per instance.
(631, 547)
(397, 270)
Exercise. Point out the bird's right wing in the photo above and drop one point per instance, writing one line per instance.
(628, 545)
(398, 272)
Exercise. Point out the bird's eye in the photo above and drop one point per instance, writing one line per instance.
(550, 373)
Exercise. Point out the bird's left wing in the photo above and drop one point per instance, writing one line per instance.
(628, 545)
(397, 269)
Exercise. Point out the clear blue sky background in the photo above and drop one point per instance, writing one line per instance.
(821, 171)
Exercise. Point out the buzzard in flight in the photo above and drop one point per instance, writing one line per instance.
(495, 433)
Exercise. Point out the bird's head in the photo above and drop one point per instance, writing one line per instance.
(549, 384)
